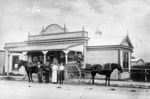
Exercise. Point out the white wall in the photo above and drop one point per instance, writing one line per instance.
(101, 56)
(2, 60)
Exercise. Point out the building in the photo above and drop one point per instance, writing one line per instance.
(110, 49)
(58, 42)
(2, 57)
(137, 62)
(52, 42)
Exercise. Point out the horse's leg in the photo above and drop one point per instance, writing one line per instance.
(28, 76)
(31, 77)
(93, 76)
(48, 77)
(109, 80)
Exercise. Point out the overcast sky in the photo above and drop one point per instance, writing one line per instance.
(114, 17)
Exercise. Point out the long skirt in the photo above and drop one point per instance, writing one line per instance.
(61, 75)
(54, 77)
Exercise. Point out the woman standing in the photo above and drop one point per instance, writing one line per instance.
(54, 71)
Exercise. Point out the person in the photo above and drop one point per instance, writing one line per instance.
(61, 73)
(46, 71)
(54, 71)
(79, 60)
(75, 56)
(55, 61)
(39, 72)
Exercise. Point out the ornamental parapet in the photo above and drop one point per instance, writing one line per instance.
(78, 34)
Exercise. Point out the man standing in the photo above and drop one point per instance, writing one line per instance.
(47, 70)
(39, 72)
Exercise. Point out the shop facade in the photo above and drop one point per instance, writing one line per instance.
(52, 42)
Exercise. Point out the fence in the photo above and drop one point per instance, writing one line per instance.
(140, 74)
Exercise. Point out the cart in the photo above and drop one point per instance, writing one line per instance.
(74, 74)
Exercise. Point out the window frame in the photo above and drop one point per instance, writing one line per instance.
(125, 60)
(13, 63)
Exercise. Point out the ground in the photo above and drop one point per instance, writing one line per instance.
(24, 90)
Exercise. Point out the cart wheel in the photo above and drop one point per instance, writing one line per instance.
(85, 77)
(72, 74)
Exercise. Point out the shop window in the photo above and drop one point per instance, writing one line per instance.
(15, 60)
(125, 60)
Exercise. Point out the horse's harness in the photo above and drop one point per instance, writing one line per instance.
(109, 67)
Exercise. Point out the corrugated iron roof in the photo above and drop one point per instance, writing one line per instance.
(109, 40)
(106, 40)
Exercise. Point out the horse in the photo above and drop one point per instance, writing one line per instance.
(29, 69)
(106, 70)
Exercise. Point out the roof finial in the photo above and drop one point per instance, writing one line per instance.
(29, 34)
(127, 32)
(83, 28)
(42, 30)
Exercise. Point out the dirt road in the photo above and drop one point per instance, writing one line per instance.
(25, 90)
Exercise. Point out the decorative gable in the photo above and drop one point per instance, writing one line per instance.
(126, 42)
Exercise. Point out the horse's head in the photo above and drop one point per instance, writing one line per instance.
(21, 63)
(117, 66)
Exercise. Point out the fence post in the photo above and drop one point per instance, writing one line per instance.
(145, 75)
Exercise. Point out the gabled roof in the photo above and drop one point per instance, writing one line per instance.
(137, 60)
(127, 41)
(110, 40)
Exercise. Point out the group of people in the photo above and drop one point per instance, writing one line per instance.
(57, 72)
(53, 69)
(46, 71)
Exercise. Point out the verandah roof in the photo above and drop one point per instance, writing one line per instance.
(74, 47)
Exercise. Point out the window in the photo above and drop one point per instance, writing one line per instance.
(15, 60)
(125, 60)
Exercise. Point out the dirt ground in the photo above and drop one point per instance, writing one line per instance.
(25, 90)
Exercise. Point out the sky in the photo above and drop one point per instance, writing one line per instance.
(112, 17)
